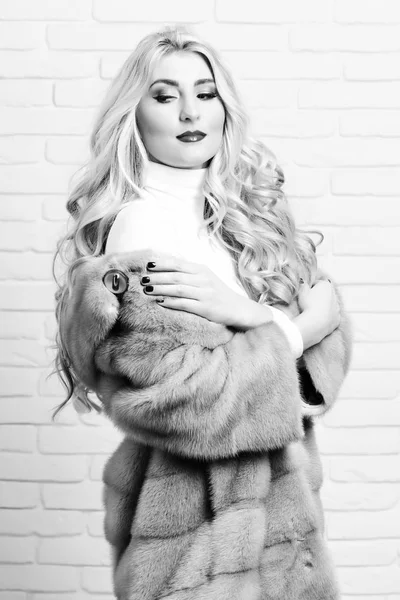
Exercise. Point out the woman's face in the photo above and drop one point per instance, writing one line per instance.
(185, 103)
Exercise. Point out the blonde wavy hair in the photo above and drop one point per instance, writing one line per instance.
(245, 206)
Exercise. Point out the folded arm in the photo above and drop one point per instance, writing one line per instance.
(175, 380)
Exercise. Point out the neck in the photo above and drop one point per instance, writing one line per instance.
(179, 189)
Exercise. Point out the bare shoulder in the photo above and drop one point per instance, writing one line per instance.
(128, 229)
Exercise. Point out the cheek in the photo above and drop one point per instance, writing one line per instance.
(151, 122)
(217, 119)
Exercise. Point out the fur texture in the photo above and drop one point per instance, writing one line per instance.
(214, 492)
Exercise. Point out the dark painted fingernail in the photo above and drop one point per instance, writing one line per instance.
(145, 279)
(151, 265)
(301, 280)
(160, 300)
(149, 288)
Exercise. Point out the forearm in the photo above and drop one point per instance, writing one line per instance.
(262, 313)
(310, 329)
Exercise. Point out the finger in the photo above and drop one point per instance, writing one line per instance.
(176, 291)
(171, 263)
(190, 306)
(170, 278)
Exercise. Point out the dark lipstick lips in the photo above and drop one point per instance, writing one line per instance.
(191, 134)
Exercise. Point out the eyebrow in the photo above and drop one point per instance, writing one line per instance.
(176, 83)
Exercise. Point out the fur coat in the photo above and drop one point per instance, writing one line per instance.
(213, 494)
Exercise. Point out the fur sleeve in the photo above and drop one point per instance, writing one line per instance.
(174, 380)
(323, 367)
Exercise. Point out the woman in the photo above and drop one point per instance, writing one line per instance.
(196, 368)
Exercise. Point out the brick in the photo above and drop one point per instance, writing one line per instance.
(25, 265)
(365, 468)
(21, 149)
(16, 494)
(21, 295)
(359, 496)
(21, 36)
(95, 523)
(370, 384)
(373, 11)
(45, 10)
(47, 523)
(18, 438)
(359, 182)
(359, 441)
(82, 496)
(13, 596)
(363, 553)
(35, 410)
(256, 36)
(376, 356)
(25, 325)
(153, 11)
(278, 65)
(363, 525)
(349, 38)
(47, 64)
(367, 241)
(370, 67)
(97, 464)
(369, 580)
(96, 36)
(78, 596)
(345, 210)
(259, 95)
(43, 120)
(284, 124)
(26, 353)
(18, 381)
(36, 578)
(36, 467)
(372, 269)
(79, 551)
(51, 385)
(17, 550)
(97, 579)
(21, 93)
(78, 440)
(81, 595)
(334, 152)
(43, 178)
(67, 151)
(86, 93)
(370, 327)
(368, 299)
(349, 95)
(99, 36)
(376, 123)
(20, 208)
(368, 412)
(286, 11)
(54, 208)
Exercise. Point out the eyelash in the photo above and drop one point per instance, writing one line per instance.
(209, 97)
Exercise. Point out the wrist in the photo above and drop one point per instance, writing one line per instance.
(255, 314)
(310, 328)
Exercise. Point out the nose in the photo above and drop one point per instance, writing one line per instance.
(189, 110)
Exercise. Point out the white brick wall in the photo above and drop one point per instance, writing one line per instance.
(321, 79)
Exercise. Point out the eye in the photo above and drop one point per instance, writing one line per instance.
(161, 98)
(115, 281)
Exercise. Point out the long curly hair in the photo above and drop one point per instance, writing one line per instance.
(245, 207)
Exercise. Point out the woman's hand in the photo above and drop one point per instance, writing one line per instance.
(194, 288)
(322, 303)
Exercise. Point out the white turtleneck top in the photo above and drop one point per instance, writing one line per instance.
(168, 219)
